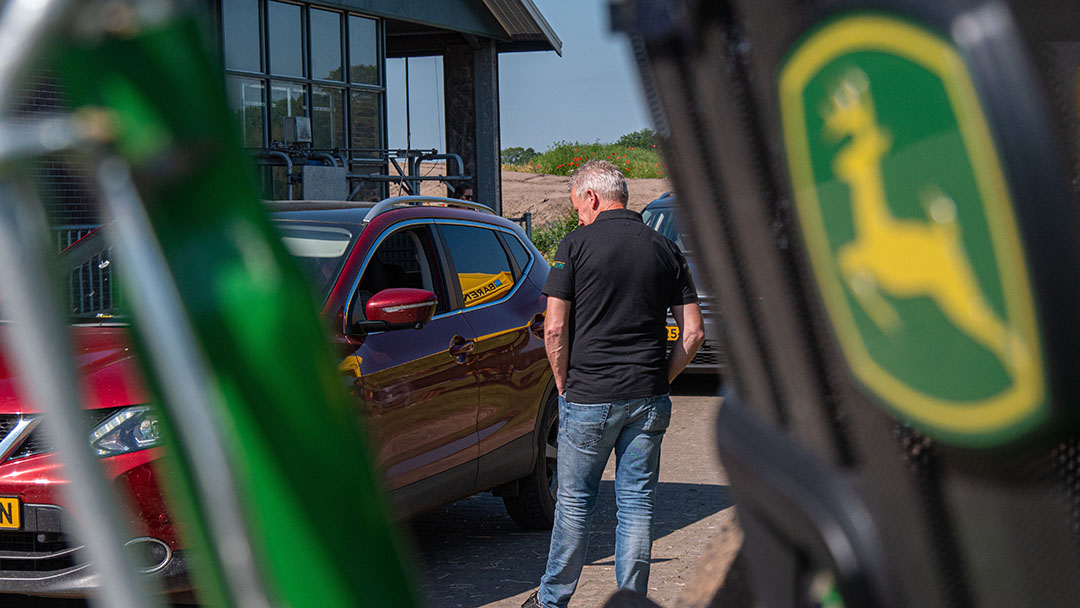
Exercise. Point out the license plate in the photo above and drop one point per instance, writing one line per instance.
(10, 513)
(672, 333)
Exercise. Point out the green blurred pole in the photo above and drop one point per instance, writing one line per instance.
(306, 485)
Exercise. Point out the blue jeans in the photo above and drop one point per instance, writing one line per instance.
(588, 432)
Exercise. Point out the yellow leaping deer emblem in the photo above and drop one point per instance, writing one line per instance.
(906, 258)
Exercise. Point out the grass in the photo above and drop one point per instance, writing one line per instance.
(563, 158)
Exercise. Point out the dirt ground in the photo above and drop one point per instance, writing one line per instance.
(546, 196)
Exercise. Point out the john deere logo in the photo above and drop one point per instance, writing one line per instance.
(907, 217)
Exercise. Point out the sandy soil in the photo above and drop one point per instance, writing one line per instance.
(546, 196)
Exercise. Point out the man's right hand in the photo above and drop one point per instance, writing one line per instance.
(691, 335)
(557, 339)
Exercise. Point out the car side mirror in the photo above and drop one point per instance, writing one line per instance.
(398, 308)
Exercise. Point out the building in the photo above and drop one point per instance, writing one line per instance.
(325, 62)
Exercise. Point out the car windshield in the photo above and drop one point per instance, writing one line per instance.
(662, 220)
(92, 293)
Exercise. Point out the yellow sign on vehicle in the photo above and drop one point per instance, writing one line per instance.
(479, 287)
(9, 513)
(672, 333)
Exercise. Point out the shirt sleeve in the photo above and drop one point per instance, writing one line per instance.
(560, 280)
(684, 291)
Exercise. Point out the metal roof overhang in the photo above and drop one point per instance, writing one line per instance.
(426, 28)
(527, 27)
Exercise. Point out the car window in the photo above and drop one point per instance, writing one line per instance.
(480, 261)
(320, 250)
(521, 256)
(662, 220)
(405, 258)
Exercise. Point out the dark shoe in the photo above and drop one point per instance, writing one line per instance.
(533, 601)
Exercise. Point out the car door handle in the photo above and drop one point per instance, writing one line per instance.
(536, 327)
(463, 348)
(460, 348)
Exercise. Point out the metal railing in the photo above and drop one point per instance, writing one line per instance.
(525, 221)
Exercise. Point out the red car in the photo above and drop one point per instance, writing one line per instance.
(436, 314)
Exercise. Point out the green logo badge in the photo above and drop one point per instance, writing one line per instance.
(904, 209)
(558, 265)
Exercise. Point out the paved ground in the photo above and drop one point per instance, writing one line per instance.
(471, 555)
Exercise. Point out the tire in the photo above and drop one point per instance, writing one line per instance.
(533, 507)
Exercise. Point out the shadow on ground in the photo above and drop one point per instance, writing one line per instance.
(700, 385)
(471, 554)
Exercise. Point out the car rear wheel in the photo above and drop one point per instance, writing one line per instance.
(533, 506)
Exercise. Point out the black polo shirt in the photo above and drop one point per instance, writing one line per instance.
(620, 277)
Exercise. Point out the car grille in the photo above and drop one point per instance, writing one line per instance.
(37, 442)
(43, 544)
(36, 552)
(7, 423)
(708, 354)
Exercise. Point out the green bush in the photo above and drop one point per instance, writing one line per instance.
(547, 237)
(636, 154)
(563, 158)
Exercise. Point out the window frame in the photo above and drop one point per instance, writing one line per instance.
(521, 273)
(441, 261)
(455, 284)
(345, 86)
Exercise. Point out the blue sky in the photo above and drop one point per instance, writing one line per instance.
(589, 94)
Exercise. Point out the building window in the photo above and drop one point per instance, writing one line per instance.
(247, 99)
(242, 35)
(286, 99)
(327, 118)
(286, 39)
(326, 45)
(286, 59)
(366, 126)
(363, 51)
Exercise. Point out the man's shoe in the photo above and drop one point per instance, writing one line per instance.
(533, 601)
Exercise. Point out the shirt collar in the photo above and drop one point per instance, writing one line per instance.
(618, 214)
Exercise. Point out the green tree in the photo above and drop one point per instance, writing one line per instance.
(644, 138)
(518, 156)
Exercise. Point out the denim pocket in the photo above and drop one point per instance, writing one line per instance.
(584, 422)
(659, 414)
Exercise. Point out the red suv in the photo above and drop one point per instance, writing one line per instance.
(435, 310)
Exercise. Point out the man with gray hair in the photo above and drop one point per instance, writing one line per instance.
(610, 286)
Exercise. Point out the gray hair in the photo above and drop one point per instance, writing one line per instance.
(601, 177)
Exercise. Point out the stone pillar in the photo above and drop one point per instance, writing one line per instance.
(488, 165)
(471, 102)
(459, 103)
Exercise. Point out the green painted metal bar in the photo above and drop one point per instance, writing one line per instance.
(319, 530)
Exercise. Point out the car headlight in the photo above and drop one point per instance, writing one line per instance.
(128, 430)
